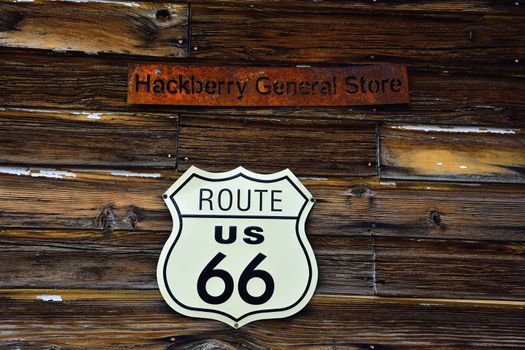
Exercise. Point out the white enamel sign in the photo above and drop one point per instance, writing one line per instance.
(238, 251)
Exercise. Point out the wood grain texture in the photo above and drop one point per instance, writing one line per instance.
(450, 269)
(307, 147)
(492, 7)
(87, 138)
(128, 260)
(347, 265)
(99, 83)
(461, 154)
(308, 35)
(93, 27)
(116, 200)
(116, 319)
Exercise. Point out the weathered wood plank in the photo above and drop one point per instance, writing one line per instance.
(119, 200)
(453, 153)
(307, 147)
(87, 138)
(493, 7)
(97, 83)
(450, 269)
(65, 259)
(403, 267)
(116, 319)
(275, 34)
(132, 28)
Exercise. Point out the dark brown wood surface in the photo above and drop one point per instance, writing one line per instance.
(100, 83)
(419, 224)
(93, 138)
(123, 319)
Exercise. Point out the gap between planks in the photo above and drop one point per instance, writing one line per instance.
(94, 294)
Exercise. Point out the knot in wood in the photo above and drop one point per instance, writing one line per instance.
(435, 218)
(361, 191)
(106, 218)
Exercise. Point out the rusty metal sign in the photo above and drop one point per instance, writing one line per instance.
(370, 84)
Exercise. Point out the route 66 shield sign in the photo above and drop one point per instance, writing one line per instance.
(238, 250)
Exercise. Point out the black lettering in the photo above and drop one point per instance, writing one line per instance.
(229, 200)
(383, 82)
(260, 198)
(232, 235)
(278, 88)
(196, 85)
(242, 89)
(158, 85)
(266, 88)
(210, 87)
(314, 84)
(219, 89)
(170, 86)
(395, 85)
(373, 86)
(353, 87)
(248, 201)
(363, 82)
(293, 86)
(304, 88)
(184, 85)
(202, 199)
(275, 200)
(138, 82)
(254, 234)
(230, 85)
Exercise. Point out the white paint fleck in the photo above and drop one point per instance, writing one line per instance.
(387, 183)
(314, 178)
(89, 115)
(14, 170)
(52, 173)
(426, 304)
(439, 164)
(462, 167)
(458, 129)
(132, 174)
(29, 110)
(53, 298)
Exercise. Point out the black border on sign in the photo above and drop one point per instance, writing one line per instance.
(240, 216)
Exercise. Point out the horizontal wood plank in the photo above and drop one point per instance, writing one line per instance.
(131, 28)
(119, 319)
(87, 138)
(455, 153)
(450, 269)
(276, 34)
(127, 260)
(98, 83)
(118, 200)
(492, 7)
(307, 147)
(347, 265)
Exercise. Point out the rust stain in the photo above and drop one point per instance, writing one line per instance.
(372, 84)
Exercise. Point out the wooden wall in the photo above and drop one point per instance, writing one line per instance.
(419, 228)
